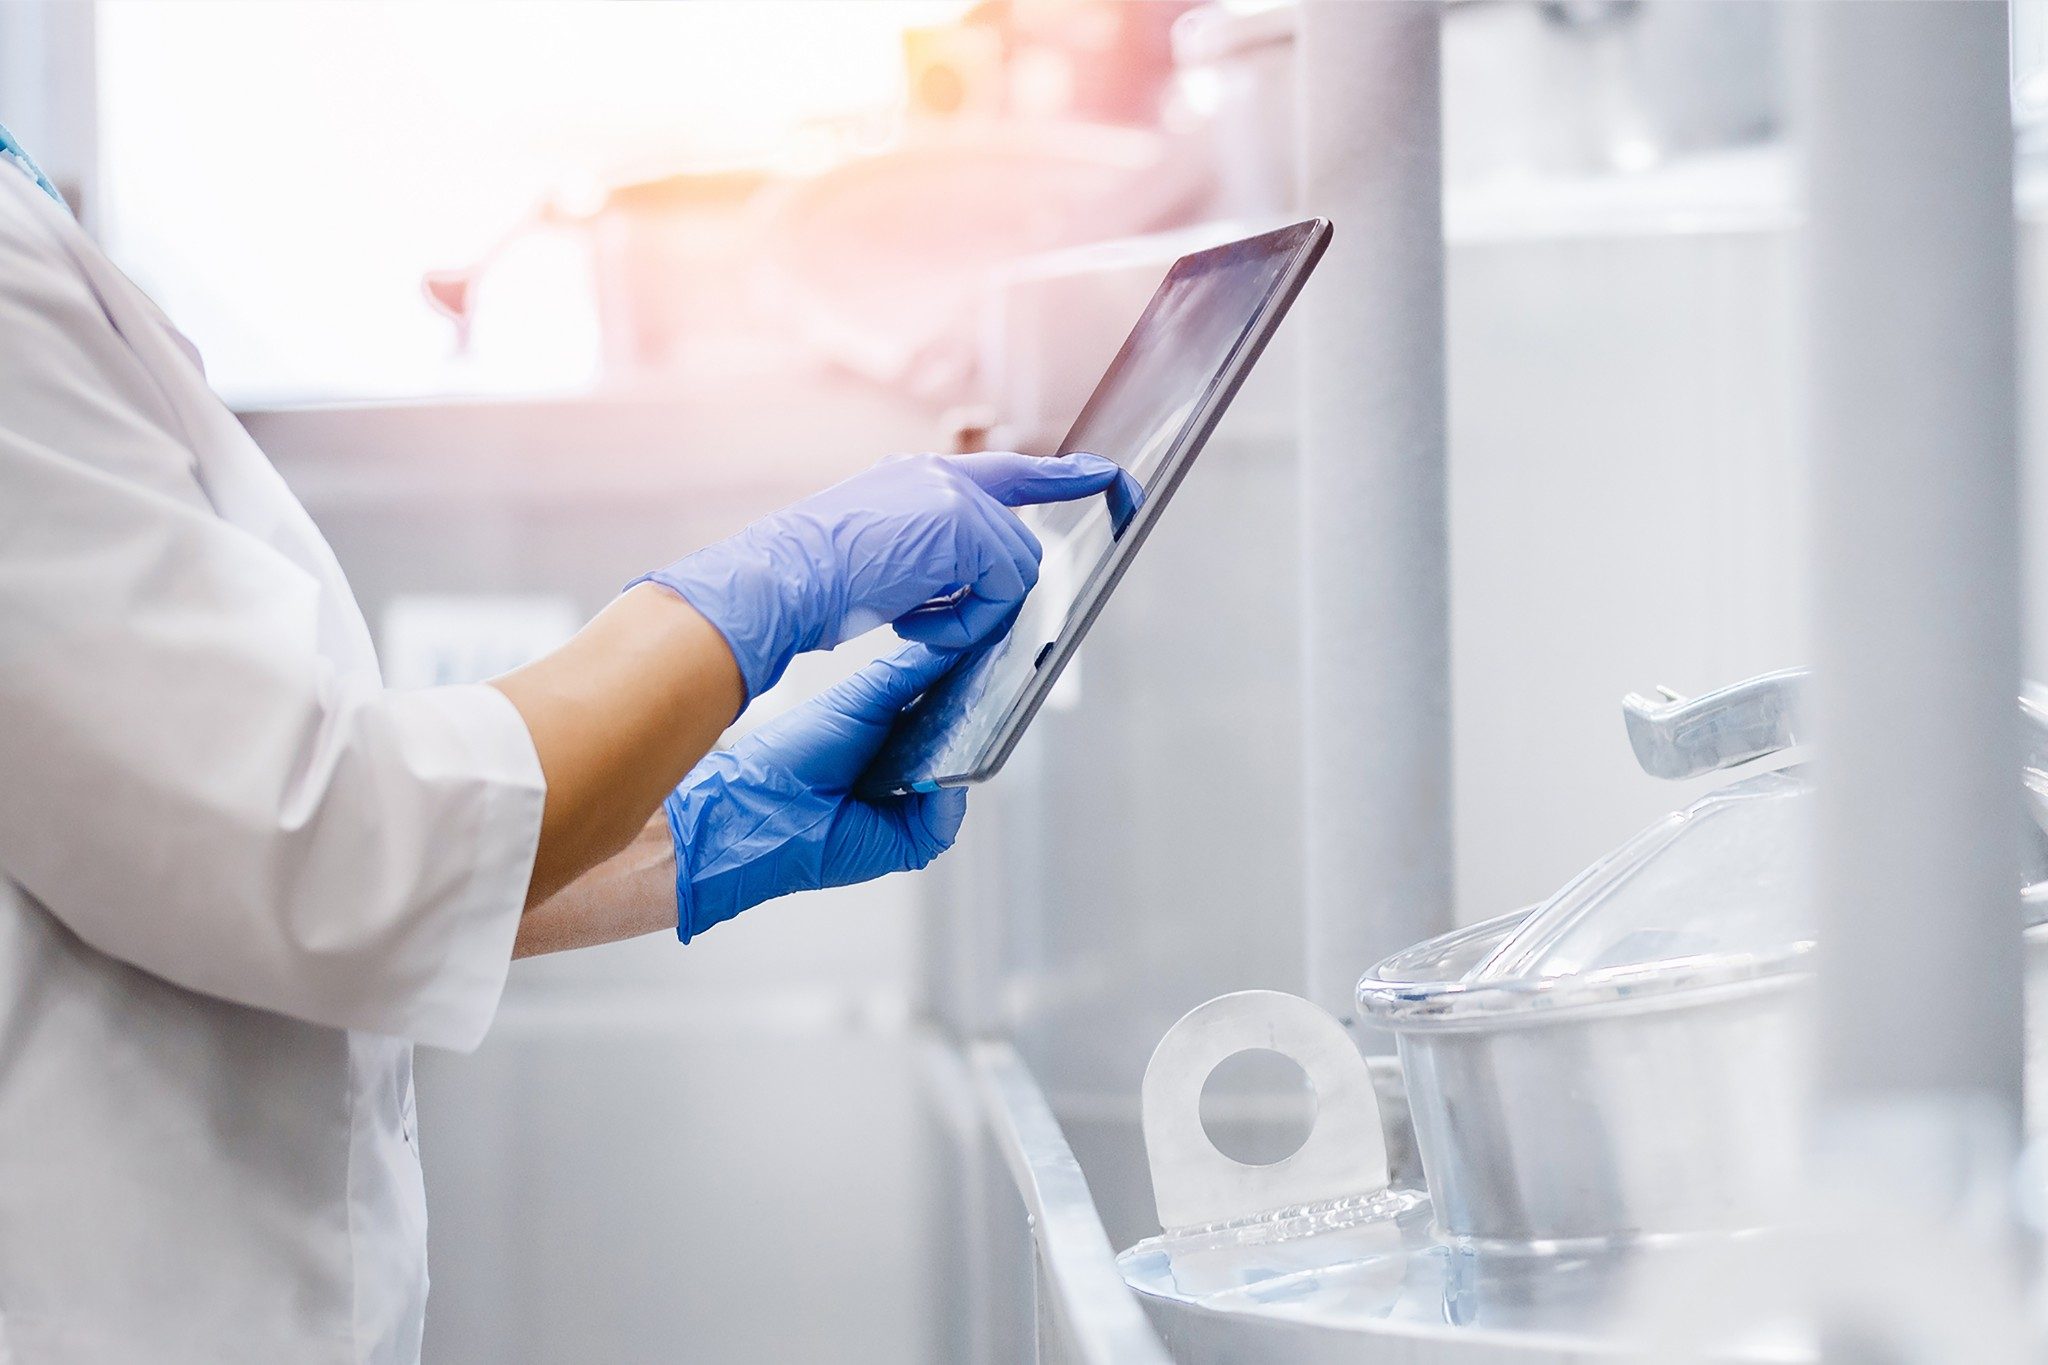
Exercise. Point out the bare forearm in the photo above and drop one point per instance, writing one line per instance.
(618, 715)
(631, 893)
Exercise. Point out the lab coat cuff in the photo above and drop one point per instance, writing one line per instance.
(482, 919)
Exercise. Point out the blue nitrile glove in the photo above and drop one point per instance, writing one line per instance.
(925, 541)
(774, 814)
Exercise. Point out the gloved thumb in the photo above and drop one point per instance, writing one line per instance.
(1015, 480)
(892, 682)
(932, 822)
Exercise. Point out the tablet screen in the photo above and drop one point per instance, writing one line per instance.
(1144, 415)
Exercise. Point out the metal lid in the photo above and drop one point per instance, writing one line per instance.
(1711, 896)
(1725, 876)
(1714, 896)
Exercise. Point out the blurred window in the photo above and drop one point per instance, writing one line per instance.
(280, 176)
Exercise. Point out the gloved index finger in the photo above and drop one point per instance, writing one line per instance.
(1126, 496)
(1016, 480)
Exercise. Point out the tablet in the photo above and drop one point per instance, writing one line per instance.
(1151, 413)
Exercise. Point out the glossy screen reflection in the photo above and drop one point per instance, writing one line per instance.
(1143, 415)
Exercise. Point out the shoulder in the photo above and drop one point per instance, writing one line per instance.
(71, 386)
(43, 284)
(30, 224)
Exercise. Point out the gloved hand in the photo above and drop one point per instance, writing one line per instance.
(925, 541)
(774, 813)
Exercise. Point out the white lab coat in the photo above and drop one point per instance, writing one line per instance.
(238, 879)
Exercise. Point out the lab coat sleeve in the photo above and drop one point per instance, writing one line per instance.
(186, 781)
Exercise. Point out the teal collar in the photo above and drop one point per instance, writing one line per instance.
(10, 150)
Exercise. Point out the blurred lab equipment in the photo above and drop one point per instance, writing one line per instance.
(875, 262)
(1679, 738)
(1342, 1160)
(1592, 1082)
(1029, 126)
(883, 261)
(1627, 1059)
(1609, 1093)
(671, 267)
(1532, 92)
(1085, 61)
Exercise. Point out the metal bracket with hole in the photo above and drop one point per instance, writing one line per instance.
(1345, 1155)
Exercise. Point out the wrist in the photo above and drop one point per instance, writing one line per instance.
(695, 654)
(757, 595)
(680, 820)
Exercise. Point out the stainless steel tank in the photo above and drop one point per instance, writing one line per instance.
(1630, 1058)
(1627, 1059)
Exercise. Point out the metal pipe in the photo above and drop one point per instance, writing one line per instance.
(1374, 558)
(1910, 349)
(1910, 344)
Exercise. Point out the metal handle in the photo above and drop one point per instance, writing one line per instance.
(1346, 1151)
(1677, 737)
(2034, 723)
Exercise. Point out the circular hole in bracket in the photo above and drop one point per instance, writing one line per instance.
(1258, 1107)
